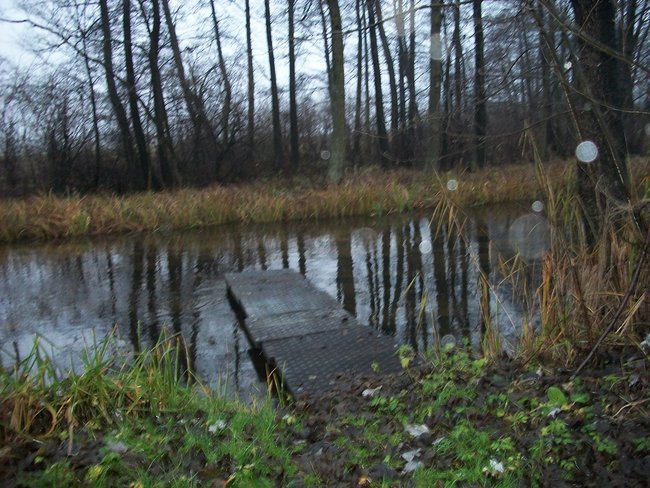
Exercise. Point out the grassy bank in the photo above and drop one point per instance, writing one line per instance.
(370, 192)
(456, 420)
(130, 422)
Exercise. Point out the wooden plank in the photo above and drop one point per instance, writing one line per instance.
(294, 324)
(305, 333)
(309, 364)
(280, 293)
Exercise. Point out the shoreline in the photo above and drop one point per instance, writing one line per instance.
(365, 193)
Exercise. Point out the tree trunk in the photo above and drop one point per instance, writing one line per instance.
(382, 137)
(390, 66)
(410, 74)
(275, 101)
(166, 158)
(458, 61)
(293, 105)
(480, 112)
(113, 95)
(251, 83)
(204, 137)
(604, 184)
(337, 94)
(446, 118)
(629, 38)
(402, 62)
(225, 124)
(141, 171)
(356, 145)
(180, 69)
(547, 100)
(93, 106)
(435, 81)
(326, 44)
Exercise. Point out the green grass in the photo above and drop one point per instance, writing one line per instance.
(142, 423)
(148, 425)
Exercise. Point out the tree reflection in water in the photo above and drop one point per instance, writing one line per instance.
(381, 270)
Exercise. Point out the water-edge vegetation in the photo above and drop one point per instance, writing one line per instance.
(366, 192)
(453, 419)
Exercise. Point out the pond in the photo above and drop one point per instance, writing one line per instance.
(402, 275)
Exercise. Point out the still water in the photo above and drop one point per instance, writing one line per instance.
(396, 274)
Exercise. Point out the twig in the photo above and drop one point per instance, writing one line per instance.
(621, 307)
(631, 404)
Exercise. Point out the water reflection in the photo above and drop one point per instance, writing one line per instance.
(405, 276)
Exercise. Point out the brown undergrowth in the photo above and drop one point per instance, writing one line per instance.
(364, 192)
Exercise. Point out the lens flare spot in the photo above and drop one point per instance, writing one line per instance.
(568, 65)
(448, 342)
(587, 152)
(537, 206)
(367, 236)
(403, 23)
(452, 185)
(530, 236)
(435, 47)
(425, 247)
(325, 154)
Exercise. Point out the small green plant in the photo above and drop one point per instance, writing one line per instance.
(603, 444)
(642, 444)
(406, 355)
(556, 397)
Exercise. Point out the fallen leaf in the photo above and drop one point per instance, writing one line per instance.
(370, 392)
(417, 430)
(496, 466)
(411, 455)
(412, 466)
(217, 426)
(553, 413)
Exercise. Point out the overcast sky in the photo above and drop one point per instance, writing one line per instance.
(12, 35)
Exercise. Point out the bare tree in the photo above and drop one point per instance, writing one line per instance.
(337, 95)
(251, 82)
(480, 111)
(113, 95)
(142, 169)
(605, 184)
(278, 156)
(294, 157)
(382, 137)
(227, 104)
(435, 81)
(166, 158)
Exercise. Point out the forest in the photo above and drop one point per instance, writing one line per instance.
(133, 95)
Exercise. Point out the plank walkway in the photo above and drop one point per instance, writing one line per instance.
(304, 332)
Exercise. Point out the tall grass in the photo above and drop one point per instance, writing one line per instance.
(592, 293)
(38, 400)
(140, 420)
(586, 295)
(368, 192)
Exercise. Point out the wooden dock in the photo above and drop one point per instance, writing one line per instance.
(304, 333)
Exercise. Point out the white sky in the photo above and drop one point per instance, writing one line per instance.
(12, 36)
